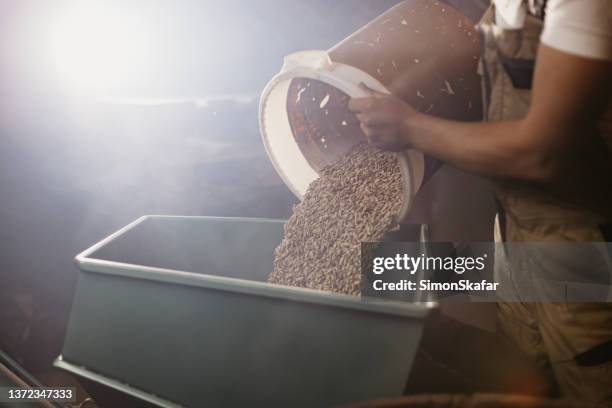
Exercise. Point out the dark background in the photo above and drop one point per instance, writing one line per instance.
(73, 169)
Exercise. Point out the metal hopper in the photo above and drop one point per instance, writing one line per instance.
(176, 311)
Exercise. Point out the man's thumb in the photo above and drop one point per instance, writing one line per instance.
(369, 90)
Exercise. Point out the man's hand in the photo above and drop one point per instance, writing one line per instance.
(383, 119)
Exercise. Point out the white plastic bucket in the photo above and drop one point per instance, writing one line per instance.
(278, 136)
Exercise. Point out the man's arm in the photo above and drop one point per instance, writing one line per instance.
(569, 95)
(555, 141)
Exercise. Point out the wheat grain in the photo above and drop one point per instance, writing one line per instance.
(354, 200)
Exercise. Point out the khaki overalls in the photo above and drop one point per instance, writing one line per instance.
(573, 342)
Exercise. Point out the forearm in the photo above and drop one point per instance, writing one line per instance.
(578, 173)
(494, 149)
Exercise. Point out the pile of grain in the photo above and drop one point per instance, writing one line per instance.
(354, 200)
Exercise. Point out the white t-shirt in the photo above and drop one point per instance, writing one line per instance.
(579, 27)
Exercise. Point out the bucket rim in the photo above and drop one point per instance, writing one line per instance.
(316, 65)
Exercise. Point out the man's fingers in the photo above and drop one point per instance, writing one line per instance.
(382, 138)
(376, 122)
(369, 90)
(372, 121)
(360, 104)
(373, 133)
(369, 133)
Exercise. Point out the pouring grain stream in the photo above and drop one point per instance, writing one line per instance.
(355, 199)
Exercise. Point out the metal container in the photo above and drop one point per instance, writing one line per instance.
(304, 118)
(176, 311)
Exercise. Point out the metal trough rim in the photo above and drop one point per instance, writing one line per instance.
(85, 263)
(114, 384)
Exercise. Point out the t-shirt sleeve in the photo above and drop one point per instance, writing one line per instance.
(579, 27)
